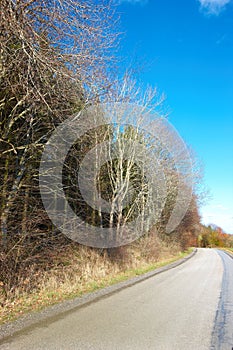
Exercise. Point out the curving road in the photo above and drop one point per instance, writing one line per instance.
(187, 307)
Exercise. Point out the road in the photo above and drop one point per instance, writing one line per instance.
(187, 307)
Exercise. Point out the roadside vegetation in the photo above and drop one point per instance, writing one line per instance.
(79, 270)
(55, 59)
(213, 236)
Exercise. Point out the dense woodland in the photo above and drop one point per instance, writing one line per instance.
(56, 59)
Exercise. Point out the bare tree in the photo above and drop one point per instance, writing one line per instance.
(112, 179)
(53, 57)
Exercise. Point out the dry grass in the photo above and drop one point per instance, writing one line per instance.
(230, 250)
(77, 270)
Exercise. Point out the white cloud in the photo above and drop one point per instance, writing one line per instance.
(213, 7)
(133, 2)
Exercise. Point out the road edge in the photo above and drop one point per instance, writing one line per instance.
(218, 337)
(228, 253)
(31, 320)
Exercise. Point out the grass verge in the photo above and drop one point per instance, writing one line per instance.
(37, 300)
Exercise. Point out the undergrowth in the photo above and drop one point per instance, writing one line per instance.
(30, 282)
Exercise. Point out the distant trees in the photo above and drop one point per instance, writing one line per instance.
(214, 236)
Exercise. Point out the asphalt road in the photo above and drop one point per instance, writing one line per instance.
(187, 307)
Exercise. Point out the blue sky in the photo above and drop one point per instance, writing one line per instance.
(186, 50)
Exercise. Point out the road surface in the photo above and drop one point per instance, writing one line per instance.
(187, 307)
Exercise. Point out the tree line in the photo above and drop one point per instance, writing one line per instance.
(57, 58)
(214, 236)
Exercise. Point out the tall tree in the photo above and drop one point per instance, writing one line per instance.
(53, 57)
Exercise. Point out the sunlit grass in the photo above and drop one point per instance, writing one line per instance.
(52, 292)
